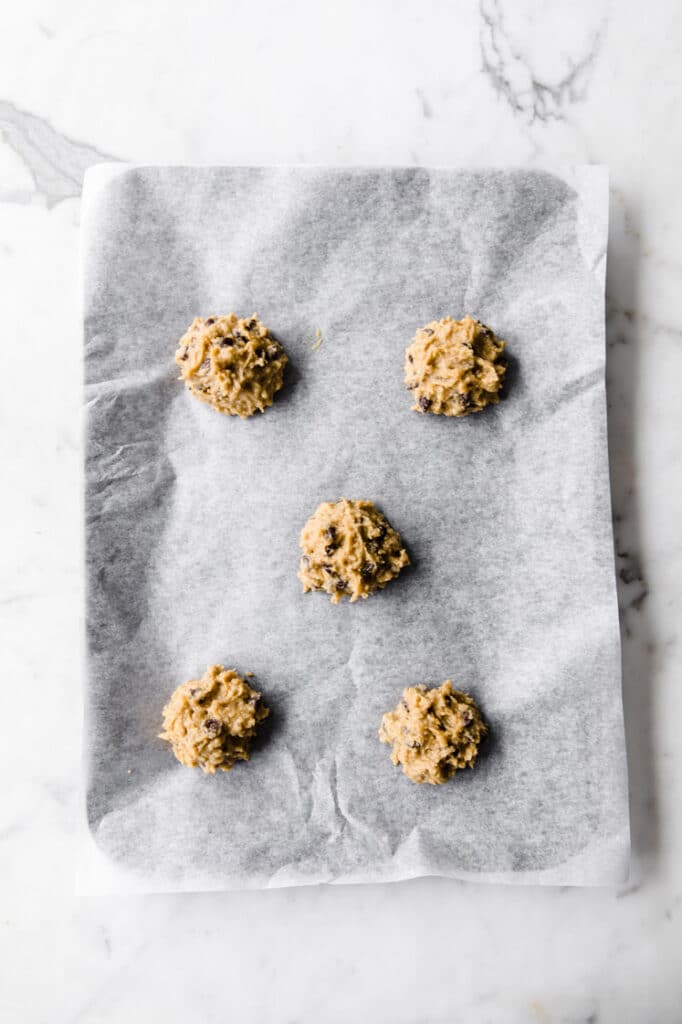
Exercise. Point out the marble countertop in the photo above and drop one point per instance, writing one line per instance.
(468, 83)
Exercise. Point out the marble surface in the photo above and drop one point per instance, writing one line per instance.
(464, 83)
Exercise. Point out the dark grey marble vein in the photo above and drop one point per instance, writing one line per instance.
(633, 588)
(528, 93)
(55, 161)
(426, 108)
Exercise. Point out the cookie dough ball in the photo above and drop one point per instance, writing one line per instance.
(234, 365)
(350, 550)
(454, 367)
(433, 732)
(210, 721)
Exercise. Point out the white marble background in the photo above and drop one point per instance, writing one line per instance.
(432, 82)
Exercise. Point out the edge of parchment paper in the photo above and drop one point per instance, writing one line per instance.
(98, 874)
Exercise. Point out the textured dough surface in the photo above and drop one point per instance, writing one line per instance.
(349, 550)
(210, 721)
(232, 364)
(433, 732)
(454, 367)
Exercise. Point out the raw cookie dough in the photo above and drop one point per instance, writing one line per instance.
(350, 550)
(210, 721)
(454, 367)
(232, 364)
(433, 732)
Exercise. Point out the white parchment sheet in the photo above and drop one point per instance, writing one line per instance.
(193, 521)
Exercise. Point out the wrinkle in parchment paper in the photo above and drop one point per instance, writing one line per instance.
(193, 521)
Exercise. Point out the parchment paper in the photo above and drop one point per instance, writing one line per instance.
(193, 521)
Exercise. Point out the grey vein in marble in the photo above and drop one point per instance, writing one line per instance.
(513, 76)
(426, 108)
(633, 588)
(55, 161)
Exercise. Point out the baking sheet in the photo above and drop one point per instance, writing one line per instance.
(193, 521)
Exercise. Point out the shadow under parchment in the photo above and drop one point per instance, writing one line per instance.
(624, 355)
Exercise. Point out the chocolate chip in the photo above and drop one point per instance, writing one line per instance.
(211, 320)
(410, 358)
(259, 353)
(425, 403)
(341, 584)
(374, 543)
(193, 693)
(330, 533)
(414, 745)
(212, 726)
(185, 355)
(224, 342)
(367, 571)
(239, 337)
(328, 568)
(250, 324)
(330, 549)
(405, 705)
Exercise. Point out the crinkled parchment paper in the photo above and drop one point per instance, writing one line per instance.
(193, 521)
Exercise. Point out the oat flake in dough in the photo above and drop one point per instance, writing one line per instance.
(454, 367)
(349, 550)
(210, 722)
(233, 364)
(433, 732)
